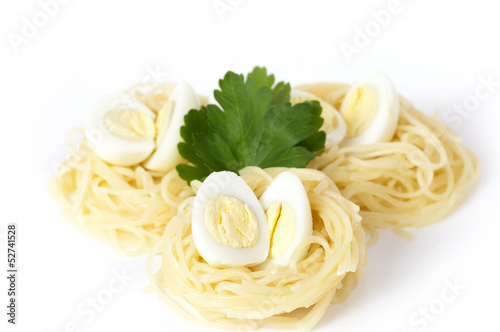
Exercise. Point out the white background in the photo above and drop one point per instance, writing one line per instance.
(435, 51)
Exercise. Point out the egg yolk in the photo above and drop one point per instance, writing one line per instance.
(359, 109)
(281, 221)
(130, 124)
(231, 222)
(163, 119)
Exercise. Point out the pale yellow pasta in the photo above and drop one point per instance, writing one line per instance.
(127, 207)
(415, 180)
(246, 298)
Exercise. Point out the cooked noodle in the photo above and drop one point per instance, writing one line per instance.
(418, 178)
(247, 298)
(415, 180)
(127, 207)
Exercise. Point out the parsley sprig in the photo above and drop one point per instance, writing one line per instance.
(255, 125)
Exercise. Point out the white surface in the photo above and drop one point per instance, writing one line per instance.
(435, 52)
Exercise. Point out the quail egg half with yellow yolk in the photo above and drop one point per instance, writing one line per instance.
(370, 109)
(121, 130)
(170, 119)
(228, 223)
(289, 218)
(125, 132)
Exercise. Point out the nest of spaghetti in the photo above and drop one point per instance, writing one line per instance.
(125, 206)
(245, 298)
(414, 180)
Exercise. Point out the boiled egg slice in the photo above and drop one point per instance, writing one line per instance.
(334, 125)
(371, 110)
(121, 130)
(170, 118)
(228, 223)
(289, 217)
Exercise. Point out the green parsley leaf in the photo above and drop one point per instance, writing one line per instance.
(280, 94)
(255, 125)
